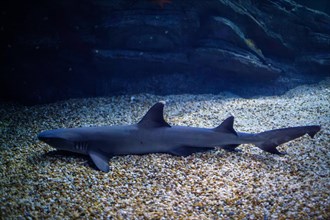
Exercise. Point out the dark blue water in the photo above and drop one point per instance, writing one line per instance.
(68, 49)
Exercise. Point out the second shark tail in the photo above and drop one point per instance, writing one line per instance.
(269, 140)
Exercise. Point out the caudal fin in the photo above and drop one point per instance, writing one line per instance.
(269, 140)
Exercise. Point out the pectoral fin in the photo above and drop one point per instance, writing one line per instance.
(100, 159)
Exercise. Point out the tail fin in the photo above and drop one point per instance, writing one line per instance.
(269, 140)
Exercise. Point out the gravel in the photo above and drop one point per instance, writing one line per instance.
(250, 184)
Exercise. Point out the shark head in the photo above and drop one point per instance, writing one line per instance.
(64, 139)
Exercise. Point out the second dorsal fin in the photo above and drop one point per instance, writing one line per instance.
(154, 117)
(227, 126)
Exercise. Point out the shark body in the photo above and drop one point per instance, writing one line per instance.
(154, 135)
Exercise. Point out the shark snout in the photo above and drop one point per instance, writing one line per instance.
(60, 139)
(45, 135)
(52, 138)
(41, 136)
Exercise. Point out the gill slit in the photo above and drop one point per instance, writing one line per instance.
(81, 145)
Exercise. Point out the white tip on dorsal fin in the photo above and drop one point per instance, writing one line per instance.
(227, 126)
(154, 117)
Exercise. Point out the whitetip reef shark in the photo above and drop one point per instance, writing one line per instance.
(154, 135)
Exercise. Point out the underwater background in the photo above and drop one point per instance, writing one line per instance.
(68, 49)
(106, 62)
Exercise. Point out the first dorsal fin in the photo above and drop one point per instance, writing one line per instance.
(154, 117)
(227, 126)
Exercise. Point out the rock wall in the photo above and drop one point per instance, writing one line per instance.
(63, 49)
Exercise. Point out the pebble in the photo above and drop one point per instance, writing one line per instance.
(211, 185)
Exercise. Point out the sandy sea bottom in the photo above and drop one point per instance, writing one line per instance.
(217, 184)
